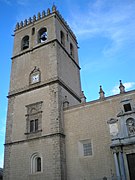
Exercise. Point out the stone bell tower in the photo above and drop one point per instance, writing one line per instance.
(45, 70)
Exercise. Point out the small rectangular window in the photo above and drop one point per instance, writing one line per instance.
(87, 149)
(127, 107)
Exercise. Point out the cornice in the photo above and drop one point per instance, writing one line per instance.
(35, 138)
(41, 85)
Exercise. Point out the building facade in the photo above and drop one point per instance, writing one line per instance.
(51, 132)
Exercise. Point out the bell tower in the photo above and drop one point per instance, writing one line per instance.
(45, 70)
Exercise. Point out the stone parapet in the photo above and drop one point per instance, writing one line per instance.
(42, 15)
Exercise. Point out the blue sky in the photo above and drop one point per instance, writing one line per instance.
(105, 30)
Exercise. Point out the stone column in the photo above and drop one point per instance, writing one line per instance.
(122, 167)
(116, 166)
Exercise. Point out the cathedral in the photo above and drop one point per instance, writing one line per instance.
(52, 133)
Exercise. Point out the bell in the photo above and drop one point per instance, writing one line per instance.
(43, 37)
(25, 45)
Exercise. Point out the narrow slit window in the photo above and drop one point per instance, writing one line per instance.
(71, 50)
(33, 31)
(62, 36)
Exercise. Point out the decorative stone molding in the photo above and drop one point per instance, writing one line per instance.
(112, 120)
(131, 126)
(101, 93)
(35, 76)
(121, 87)
(113, 126)
(65, 102)
(34, 120)
(83, 98)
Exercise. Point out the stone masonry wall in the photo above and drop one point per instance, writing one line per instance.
(89, 122)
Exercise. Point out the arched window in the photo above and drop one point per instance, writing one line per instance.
(25, 43)
(36, 163)
(62, 38)
(131, 126)
(71, 50)
(42, 35)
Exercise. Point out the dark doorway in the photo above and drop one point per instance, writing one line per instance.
(131, 165)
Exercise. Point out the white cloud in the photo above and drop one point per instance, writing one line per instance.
(115, 90)
(128, 86)
(112, 20)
